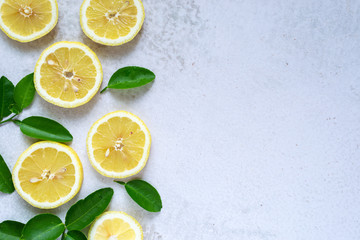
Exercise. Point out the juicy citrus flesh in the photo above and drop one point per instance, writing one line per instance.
(112, 21)
(119, 144)
(47, 174)
(28, 18)
(69, 74)
(115, 226)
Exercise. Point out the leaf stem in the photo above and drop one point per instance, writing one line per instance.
(103, 90)
(9, 119)
(120, 182)
(17, 122)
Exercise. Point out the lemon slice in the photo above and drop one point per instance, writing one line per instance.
(68, 74)
(27, 20)
(118, 144)
(114, 225)
(48, 174)
(112, 22)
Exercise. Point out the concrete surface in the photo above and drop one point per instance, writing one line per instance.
(254, 116)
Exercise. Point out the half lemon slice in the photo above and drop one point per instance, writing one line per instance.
(27, 20)
(118, 144)
(114, 225)
(68, 74)
(48, 174)
(112, 22)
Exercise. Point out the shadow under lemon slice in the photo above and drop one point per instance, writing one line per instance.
(48, 174)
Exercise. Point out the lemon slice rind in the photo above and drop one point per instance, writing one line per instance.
(35, 35)
(60, 147)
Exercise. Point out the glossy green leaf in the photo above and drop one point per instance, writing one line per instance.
(6, 183)
(45, 129)
(144, 194)
(84, 212)
(75, 235)
(14, 108)
(6, 97)
(130, 77)
(43, 227)
(11, 230)
(24, 92)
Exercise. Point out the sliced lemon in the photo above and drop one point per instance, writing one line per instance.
(118, 144)
(114, 225)
(112, 22)
(27, 20)
(68, 74)
(48, 174)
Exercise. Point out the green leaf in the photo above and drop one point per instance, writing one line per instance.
(75, 235)
(45, 129)
(144, 194)
(25, 91)
(130, 77)
(43, 227)
(6, 97)
(6, 183)
(84, 212)
(11, 230)
(14, 108)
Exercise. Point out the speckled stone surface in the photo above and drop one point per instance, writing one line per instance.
(254, 116)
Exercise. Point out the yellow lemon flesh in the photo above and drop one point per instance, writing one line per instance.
(114, 225)
(68, 74)
(111, 22)
(118, 144)
(48, 174)
(27, 20)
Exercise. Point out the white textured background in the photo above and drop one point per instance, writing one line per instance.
(254, 116)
